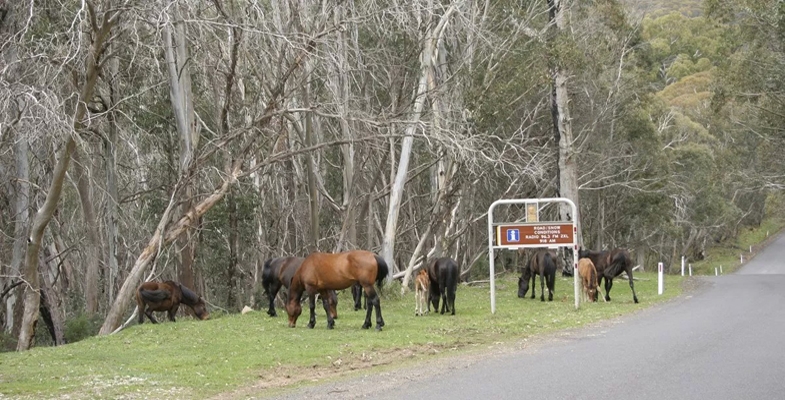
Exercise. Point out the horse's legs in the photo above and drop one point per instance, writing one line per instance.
(534, 280)
(171, 313)
(373, 303)
(312, 306)
(272, 291)
(632, 286)
(608, 286)
(325, 295)
(149, 313)
(542, 285)
(551, 283)
(444, 301)
(451, 299)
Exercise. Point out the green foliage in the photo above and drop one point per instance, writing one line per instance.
(82, 327)
(199, 359)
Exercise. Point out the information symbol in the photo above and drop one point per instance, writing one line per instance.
(513, 235)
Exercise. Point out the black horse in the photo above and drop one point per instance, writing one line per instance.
(443, 274)
(278, 272)
(610, 264)
(542, 263)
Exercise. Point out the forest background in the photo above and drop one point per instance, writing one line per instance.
(193, 140)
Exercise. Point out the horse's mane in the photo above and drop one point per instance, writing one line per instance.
(189, 296)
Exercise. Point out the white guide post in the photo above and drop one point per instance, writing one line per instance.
(660, 282)
(532, 233)
(682, 265)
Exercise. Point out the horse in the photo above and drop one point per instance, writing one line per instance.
(358, 295)
(279, 272)
(322, 272)
(167, 296)
(588, 273)
(421, 282)
(443, 274)
(543, 262)
(610, 264)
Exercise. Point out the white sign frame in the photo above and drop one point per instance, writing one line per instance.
(492, 248)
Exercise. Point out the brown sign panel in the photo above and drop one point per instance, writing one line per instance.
(534, 235)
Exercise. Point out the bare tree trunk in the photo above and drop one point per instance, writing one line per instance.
(44, 215)
(568, 175)
(8, 29)
(51, 299)
(396, 194)
(22, 212)
(311, 167)
(32, 296)
(92, 249)
(176, 55)
(110, 161)
(231, 269)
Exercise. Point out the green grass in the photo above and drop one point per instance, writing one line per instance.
(728, 255)
(197, 359)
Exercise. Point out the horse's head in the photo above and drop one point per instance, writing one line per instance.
(583, 253)
(523, 286)
(200, 309)
(294, 309)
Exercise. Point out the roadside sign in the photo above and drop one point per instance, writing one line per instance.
(537, 235)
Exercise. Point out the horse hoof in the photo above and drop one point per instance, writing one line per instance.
(378, 328)
(636, 300)
(310, 326)
(272, 314)
(366, 326)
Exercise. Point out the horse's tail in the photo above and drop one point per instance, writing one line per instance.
(381, 271)
(267, 274)
(154, 295)
(451, 283)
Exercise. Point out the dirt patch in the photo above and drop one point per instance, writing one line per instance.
(284, 376)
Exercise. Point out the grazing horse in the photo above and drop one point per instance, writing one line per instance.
(322, 272)
(542, 263)
(167, 296)
(443, 274)
(357, 295)
(421, 283)
(610, 264)
(279, 272)
(588, 273)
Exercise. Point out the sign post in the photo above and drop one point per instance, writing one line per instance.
(659, 278)
(532, 233)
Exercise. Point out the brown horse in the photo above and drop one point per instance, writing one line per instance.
(610, 264)
(167, 296)
(443, 274)
(542, 263)
(279, 272)
(588, 273)
(421, 283)
(322, 272)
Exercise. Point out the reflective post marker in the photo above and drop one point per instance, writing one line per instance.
(659, 278)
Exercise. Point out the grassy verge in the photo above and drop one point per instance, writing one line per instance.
(729, 255)
(193, 359)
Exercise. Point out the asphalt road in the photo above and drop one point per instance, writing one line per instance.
(723, 341)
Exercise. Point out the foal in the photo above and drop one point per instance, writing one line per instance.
(421, 283)
(588, 273)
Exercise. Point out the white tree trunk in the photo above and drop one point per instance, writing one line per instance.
(396, 194)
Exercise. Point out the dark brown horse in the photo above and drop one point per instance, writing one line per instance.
(610, 264)
(443, 274)
(322, 272)
(279, 272)
(167, 296)
(542, 263)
